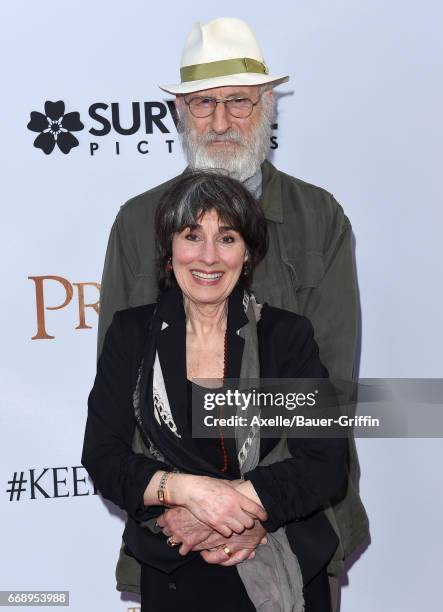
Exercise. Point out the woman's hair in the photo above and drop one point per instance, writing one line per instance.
(191, 196)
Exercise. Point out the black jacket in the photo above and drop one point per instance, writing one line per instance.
(292, 491)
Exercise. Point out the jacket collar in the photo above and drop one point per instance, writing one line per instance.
(171, 309)
(170, 306)
(271, 198)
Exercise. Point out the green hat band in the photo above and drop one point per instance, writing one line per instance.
(209, 70)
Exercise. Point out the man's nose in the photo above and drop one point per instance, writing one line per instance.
(209, 253)
(221, 119)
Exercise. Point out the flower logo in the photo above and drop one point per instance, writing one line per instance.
(55, 128)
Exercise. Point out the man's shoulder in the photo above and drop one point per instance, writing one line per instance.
(308, 188)
(146, 201)
(309, 198)
(312, 195)
(312, 218)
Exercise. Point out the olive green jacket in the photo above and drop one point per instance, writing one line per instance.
(309, 269)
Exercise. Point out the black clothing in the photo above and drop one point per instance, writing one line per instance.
(219, 588)
(317, 593)
(199, 586)
(210, 448)
(196, 586)
(292, 491)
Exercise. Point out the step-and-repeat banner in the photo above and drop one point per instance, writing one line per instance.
(85, 127)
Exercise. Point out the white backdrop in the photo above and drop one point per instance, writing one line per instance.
(361, 116)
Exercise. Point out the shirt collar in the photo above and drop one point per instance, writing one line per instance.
(254, 184)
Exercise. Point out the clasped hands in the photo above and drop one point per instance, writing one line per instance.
(209, 514)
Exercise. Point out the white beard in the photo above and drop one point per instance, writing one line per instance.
(250, 150)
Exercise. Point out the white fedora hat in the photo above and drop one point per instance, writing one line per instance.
(221, 52)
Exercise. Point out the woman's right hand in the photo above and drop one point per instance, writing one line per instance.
(214, 502)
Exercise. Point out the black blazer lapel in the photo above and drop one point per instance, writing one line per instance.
(168, 337)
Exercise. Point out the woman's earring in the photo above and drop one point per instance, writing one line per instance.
(245, 269)
(169, 265)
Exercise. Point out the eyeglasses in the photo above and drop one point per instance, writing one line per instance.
(202, 106)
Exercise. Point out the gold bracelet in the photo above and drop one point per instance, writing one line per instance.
(161, 491)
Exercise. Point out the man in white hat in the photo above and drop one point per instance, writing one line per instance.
(225, 106)
(225, 100)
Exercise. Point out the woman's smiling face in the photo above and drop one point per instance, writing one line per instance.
(207, 260)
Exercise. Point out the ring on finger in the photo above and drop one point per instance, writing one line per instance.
(227, 550)
(171, 542)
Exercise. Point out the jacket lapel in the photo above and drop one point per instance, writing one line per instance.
(236, 320)
(168, 337)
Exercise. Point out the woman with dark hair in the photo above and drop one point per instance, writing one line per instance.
(213, 523)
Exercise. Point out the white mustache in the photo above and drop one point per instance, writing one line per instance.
(231, 136)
